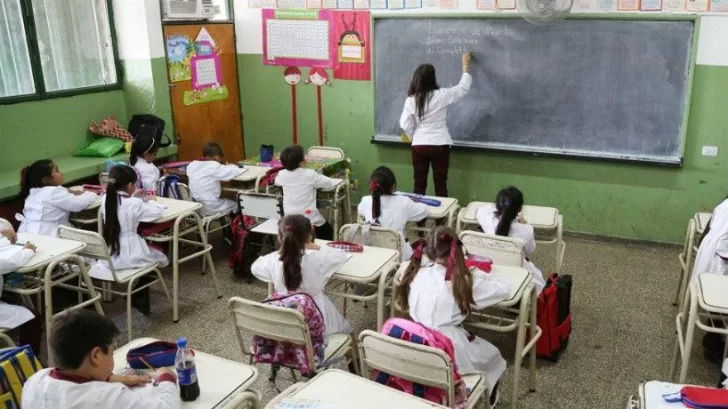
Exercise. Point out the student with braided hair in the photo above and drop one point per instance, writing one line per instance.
(385, 209)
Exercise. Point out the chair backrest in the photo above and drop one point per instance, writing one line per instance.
(104, 178)
(260, 205)
(271, 322)
(502, 250)
(325, 152)
(184, 192)
(414, 362)
(376, 236)
(96, 247)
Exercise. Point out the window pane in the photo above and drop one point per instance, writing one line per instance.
(74, 40)
(16, 76)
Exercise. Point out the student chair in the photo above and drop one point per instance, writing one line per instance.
(104, 178)
(265, 206)
(5, 338)
(325, 152)
(419, 364)
(373, 236)
(706, 307)
(97, 249)
(502, 250)
(286, 325)
(696, 227)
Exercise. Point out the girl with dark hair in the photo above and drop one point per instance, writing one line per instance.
(384, 208)
(424, 120)
(505, 219)
(300, 265)
(142, 156)
(122, 213)
(440, 293)
(47, 203)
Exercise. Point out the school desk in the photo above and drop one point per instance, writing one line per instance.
(186, 222)
(88, 215)
(50, 252)
(650, 396)
(705, 307)
(334, 388)
(371, 268)
(546, 221)
(516, 313)
(252, 174)
(270, 226)
(221, 380)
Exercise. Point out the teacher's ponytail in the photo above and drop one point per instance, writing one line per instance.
(424, 81)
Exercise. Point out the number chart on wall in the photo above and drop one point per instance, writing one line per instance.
(297, 38)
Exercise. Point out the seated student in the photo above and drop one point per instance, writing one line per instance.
(142, 156)
(47, 203)
(505, 220)
(384, 208)
(122, 214)
(441, 293)
(83, 347)
(12, 257)
(712, 256)
(299, 189)
(301, 265)
(205, 176)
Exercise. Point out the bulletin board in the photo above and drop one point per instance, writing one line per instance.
(299, 38)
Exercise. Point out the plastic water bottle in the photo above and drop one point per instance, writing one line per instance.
(184, 362)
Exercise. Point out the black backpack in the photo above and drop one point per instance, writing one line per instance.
(149, 126)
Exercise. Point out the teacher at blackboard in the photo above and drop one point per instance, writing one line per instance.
(424, 121)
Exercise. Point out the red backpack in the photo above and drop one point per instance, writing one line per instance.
(242, 254)
(554, 317)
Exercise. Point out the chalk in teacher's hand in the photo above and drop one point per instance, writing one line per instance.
(405, 138)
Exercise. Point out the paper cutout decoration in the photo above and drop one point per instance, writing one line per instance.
(206, 71)
(179, 52)
(697, 5)
(205, 95)
(628, 5)
(651, 5)
(292, 76)
(319, 78)
(351, 38)
(204, 35)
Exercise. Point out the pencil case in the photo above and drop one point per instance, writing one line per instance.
(422, 199)
(157, 354)
(700, 398)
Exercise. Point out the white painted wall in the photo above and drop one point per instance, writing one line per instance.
(138, 29)
(712, 43)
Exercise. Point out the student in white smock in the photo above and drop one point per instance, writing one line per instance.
(441, 293)
(505, 219)
(142, 156)
(300, 186)
(205, 177)
(122, 213)
(712, 256)
(47, 203)
(303, 266)
(83, 346)
(384, 208)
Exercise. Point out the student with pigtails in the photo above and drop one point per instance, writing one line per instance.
(301, 265)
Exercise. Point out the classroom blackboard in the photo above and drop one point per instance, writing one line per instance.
(604, 88)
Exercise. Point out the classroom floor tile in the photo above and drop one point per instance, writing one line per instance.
(623, 325)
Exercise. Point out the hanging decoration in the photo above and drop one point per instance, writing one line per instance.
(351, 34)
(319, 78)
(292, 75)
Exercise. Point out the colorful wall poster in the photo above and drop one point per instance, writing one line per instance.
(395, 4)
(651, 5)
(413, 4)
(313, 4)
(605, 5)
(450, 4)
(329, 4)
(298, 38)
(719, 5)
(378, 4)
(345, 4)
(673, 5)
(697, 5)
(361, 4)
(179, 52)
(628, 5)
(485, 4)
(584, 5)
(430, 4)
(353, 45)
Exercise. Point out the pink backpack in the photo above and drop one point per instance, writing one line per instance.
(287, 355)
(419, 334)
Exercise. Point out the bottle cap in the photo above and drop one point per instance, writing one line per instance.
(182, 343)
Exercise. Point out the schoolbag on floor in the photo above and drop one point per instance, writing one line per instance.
(242, 254)
(554, 317)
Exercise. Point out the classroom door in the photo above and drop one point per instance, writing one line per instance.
(203, 86)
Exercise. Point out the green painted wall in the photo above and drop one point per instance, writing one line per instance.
(55, 127)
(606, 198)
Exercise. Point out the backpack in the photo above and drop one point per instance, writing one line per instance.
(17, 364)
(287, 355)
(168, 187)
(242, 254)
(270, 177)
(554, 317)
(149, 126)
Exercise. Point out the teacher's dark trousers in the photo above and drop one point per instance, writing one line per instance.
(439, 157)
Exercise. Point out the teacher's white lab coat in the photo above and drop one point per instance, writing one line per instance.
(432, 304)
(317, 267)
(148, 173)
(45, 391)
(205, 177)
(12, 257)
(48, 207)
(134, 252)
(714, 245)
(432, 129)
(396, 211)
(524, 232)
